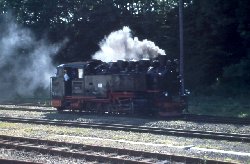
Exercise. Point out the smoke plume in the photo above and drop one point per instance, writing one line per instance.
(120, 45)
(25, 63)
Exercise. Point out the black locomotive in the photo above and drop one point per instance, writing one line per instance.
(121, 87)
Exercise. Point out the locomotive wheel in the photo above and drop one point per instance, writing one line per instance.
(82, 107)
(90, 107)
(99, 108)
(169, 114)
(59, 109)
(122, 107)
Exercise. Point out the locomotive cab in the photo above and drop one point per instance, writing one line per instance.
(61, 87)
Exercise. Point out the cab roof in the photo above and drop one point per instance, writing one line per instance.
(73, 65)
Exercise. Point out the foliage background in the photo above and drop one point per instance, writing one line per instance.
(216, 34)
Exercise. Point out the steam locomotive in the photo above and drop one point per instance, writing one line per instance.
(149, 87)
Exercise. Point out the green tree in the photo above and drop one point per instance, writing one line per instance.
(216, 33)
(213, 40)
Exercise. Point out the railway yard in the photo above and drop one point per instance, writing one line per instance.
(31, 134)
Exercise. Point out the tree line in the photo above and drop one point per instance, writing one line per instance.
(216, 33)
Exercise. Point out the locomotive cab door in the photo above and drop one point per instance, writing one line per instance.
(73, 85)
(57, 91)
(57, 88)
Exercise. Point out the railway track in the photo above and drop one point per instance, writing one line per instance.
(184, 117)
(94, 153)
(9, 161)
(215, 119)
(24, 108)
(139, 129)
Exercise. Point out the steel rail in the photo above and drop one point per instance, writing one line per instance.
(183, 117)
(12, 161)
(95, 153)
(215, 119)
(139, 129)
(27, 109)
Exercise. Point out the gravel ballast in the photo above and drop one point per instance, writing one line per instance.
(188, 125)
(37, 157)
(223, 150)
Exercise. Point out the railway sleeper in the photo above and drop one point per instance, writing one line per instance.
(94, 153)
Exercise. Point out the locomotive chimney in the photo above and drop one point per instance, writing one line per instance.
(121, 64)
(162, 60)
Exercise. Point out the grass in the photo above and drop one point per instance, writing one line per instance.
(4, 125)
(220, 106)
(48, 131)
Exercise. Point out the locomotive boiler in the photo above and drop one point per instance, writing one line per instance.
(149, 87)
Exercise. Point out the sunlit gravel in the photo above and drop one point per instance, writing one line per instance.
(121, 139)
(36, 157)
(228, 128)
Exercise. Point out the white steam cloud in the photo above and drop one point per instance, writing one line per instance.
(120, 45)
(25, 63)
